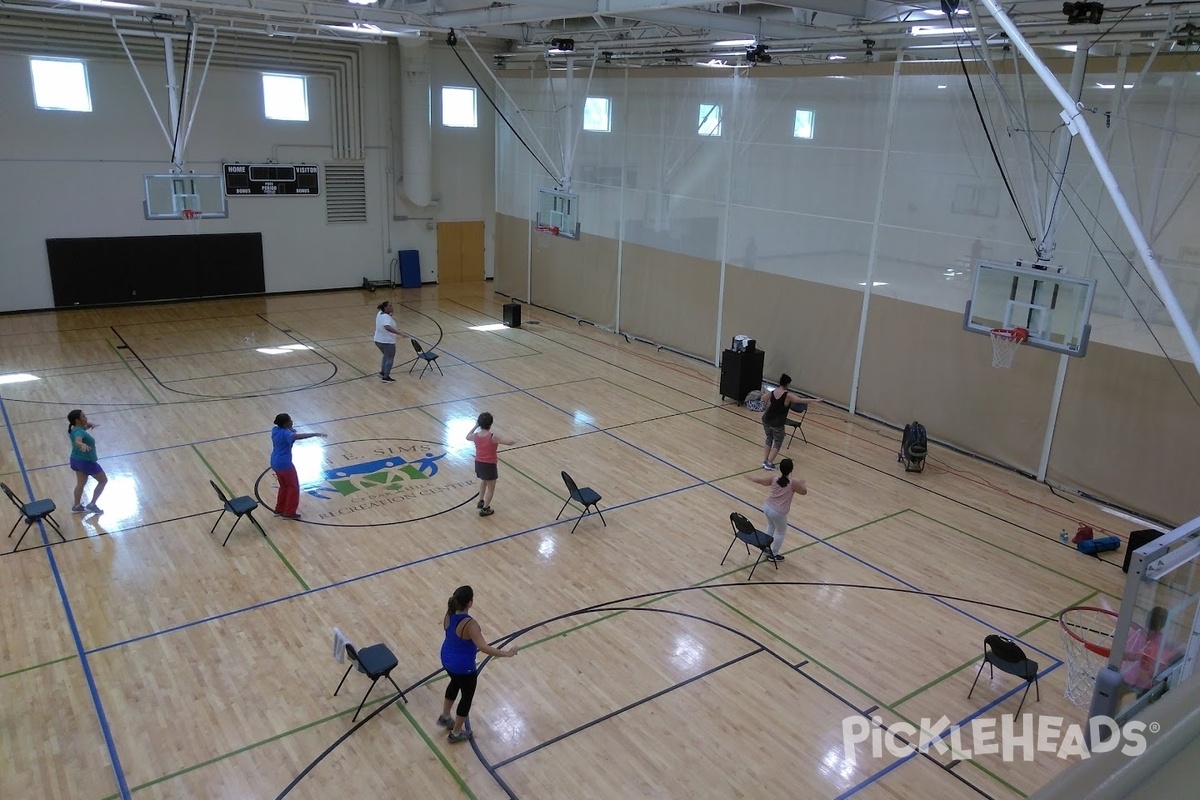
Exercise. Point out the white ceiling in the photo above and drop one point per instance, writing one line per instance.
(642, 32)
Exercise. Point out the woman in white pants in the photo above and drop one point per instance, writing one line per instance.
(779, 502)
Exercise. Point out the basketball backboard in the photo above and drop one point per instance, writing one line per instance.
(1053, 307)
(169, 195)
(558, 210)
(1156, 644)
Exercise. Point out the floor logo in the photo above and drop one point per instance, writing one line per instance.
(391, 479)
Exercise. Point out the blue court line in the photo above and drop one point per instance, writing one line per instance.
(964, 721)
(515, 389)
(698, 482)
(837, 549)
(122, 785)
(357, 578)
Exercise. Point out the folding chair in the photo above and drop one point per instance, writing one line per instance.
(1005, 655)
(796, 423)
(31, 513)
(586, 497)
(752, 537)
(376, 661)
(427, 357)
(240, 506)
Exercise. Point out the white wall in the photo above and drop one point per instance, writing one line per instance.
(80, 174)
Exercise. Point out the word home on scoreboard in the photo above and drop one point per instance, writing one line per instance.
(242, 180)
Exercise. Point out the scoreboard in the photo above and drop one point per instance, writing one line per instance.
(245, 180)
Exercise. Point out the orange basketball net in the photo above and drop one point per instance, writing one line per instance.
(1005, 342)
(192, 218)
(551, 229)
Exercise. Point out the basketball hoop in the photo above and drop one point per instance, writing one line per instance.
(1005, 342)
(192, 218)
(1087, 633)
(551, 229)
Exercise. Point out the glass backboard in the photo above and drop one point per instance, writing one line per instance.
(169, 195)
(1052, 306)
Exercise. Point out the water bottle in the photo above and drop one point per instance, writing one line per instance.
(1063, 536)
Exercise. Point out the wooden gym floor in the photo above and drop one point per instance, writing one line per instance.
(140, 657)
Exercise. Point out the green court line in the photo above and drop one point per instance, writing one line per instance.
(961, 667)
(1013, 553)
(437, 751)
(271, 542)
(145, 388)
(846, 681)
(37, 666)
(788, 643)
(244, 749)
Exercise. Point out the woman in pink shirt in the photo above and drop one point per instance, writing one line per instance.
(486, 442)
(779, 502)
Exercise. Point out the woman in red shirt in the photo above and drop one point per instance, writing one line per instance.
(486, 441)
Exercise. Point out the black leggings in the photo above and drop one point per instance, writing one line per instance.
(465, 683)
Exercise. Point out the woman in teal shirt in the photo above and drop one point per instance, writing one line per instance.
(84, 462)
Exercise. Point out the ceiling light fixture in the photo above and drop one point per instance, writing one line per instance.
(735, 43)
(835, 57)
(562, 45)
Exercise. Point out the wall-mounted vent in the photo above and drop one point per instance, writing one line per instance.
(345, 191)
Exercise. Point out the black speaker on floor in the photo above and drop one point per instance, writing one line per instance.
(512, 315)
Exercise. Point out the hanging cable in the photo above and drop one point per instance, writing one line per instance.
(187, 60)
(1044, 157)
(996, 156)
(452, 40)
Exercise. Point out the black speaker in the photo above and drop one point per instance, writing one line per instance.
(512, 315)
(1136, 540)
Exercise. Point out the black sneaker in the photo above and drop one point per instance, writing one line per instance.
(387, 379)
(773, 557)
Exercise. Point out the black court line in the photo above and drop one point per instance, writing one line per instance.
(623, 709)
(265, 393)
(869, 711)
(87, 536)
(612, 606)
(803, 663)
(923, 487)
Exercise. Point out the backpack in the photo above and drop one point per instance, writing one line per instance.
(1092, 547)
(1083, 534)
(914, 447)
(754, 401)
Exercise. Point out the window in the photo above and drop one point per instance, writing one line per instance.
(60, 84)
(710, 120)
(458, 107)
(803, 129)
(597, 114)
(285, 97)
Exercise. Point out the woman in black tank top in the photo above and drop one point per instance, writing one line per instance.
(778, 402)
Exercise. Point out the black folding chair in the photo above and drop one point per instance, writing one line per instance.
(31, 513)
(429, 358)
(745, 532)
(796, 423)
(1005, 655)
(240, 507)
(376, 661)
(587, 497)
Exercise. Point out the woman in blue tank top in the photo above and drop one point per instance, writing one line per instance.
(464, 638)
